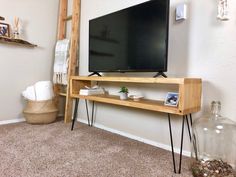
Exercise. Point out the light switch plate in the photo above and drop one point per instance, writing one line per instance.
(181, 12)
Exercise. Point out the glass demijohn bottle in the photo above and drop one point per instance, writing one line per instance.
(214, 145)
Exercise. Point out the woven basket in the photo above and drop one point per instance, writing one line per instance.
(40, 112)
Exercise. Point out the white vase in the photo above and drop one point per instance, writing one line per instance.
(123, 96)
(223, 10)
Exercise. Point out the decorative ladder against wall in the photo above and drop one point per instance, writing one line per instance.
(74, 50)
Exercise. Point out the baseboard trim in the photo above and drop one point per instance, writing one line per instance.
(3, 122)
(137, 138)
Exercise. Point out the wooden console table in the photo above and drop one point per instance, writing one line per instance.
(189, 89)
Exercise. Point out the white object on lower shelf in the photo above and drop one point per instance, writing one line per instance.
(97, 91)
(136, 97)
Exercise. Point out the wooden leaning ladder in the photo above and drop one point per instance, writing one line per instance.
(73, 53)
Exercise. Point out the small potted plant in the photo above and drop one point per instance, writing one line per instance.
(123, 93)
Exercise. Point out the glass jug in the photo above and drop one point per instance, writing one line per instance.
(214, 145)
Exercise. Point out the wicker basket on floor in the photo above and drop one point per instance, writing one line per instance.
(40, 112)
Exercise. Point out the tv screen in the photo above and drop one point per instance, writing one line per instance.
(134, 39)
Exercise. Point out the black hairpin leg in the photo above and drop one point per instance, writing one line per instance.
(189, 131)
(181, 147)
(75, 113)
(193, 138)
(92, 113)
(86, 103)
(172, 146)
(171, 141)
(89, 123)
(191, 120)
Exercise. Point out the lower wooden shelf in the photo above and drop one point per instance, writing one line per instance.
(152, 105)
(62, 94)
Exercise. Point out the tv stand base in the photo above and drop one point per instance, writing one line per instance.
(160, 74)
(95, 73)
(190, 91)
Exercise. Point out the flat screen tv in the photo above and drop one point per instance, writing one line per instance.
(134, 39)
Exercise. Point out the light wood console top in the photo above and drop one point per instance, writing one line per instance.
(146, 80)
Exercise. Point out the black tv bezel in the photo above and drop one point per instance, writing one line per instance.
(137, 70)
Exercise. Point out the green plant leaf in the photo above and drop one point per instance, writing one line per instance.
(124, 89)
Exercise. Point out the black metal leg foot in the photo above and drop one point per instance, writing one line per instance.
(75, 113)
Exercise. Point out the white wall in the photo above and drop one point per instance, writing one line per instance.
(201, 47)
(21, 67)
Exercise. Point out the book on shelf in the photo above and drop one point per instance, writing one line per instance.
(91, 91)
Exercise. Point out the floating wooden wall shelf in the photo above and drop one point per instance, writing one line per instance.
(18, 42)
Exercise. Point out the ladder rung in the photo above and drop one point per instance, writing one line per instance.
(68, 18)
(62, 94)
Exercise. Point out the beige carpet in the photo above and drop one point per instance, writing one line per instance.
(54, 151)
